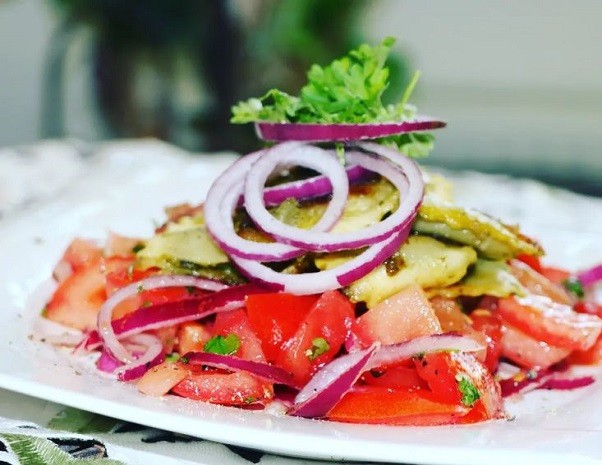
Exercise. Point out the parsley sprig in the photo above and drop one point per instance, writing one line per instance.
(348, 90)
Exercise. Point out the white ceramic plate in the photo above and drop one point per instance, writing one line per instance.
(124, 192)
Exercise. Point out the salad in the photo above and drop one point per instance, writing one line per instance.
(328, 276)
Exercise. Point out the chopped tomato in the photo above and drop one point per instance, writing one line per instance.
(82, 252)
(218, 387)
(236, 322)
(529, 352)
(375, 404)
(192, 337)
(275, 317)
(78, 298)
(551, 322)
(318, 338)
(446, 371)
(406, 315)
(159, 380)
(591, 356)
(489, 324)
(538, 284)
(556, 275)
(532, 260)
(592, 308)
(440, 373)
(395, 377)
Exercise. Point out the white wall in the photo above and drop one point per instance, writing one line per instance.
(519, 82)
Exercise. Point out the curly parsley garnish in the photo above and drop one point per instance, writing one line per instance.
(470, 393)
(348, 90)
(224, 345)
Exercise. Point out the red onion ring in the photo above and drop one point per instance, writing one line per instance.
(105, 327)
(318, 240)
(393, 353)
(173, 313)
(151, 357)
(328, 385)
(591, 275)
(567, 384)
(319, 132)
(265, 371)
(310, 188)
(223, 197)
(327, 280)
(319, 160)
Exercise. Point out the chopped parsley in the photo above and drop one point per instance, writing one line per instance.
(319, 347)
(574, 286)
(224, 345)
(470, 393)
(348, 90)
(138, 247)
(173, 357)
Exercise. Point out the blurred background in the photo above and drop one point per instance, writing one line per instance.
(519, 82)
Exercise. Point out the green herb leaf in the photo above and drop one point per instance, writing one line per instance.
(574, 286)
(227, 345)
(319, 346)
(470, 393)
(348, 90)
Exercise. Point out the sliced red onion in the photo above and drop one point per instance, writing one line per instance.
(330, 384)
(393, 353)
(265, 371)
(556, 383)
(591, 275)
(219, 206)
(525, 381)
(307, 156)
(107, 363)
(327, 280)
(173, 313)
(317, 132)
(310, 188)
(152, 356)
(105, 315)
(409, 183)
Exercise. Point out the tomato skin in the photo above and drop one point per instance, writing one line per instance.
(236, 322)
(439, 372)
(329, 319)
(76, 301)
(529, 352)
(80, 253)
(403, 316)
(443, 372)
(592, 308)
(556, 275)
(217, 387)
(490, 325)
(531, 260)
(591, 356)
(275, 317)
(551, 322)
(381, 405)
(402, 376)
(538, 284)
(192, 337)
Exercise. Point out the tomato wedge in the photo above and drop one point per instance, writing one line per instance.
(236, 322)
(551, 322)
(529, 352)
(404, 316)
(275, 317)
(318, 338)
(218, 387)
(381, 405)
